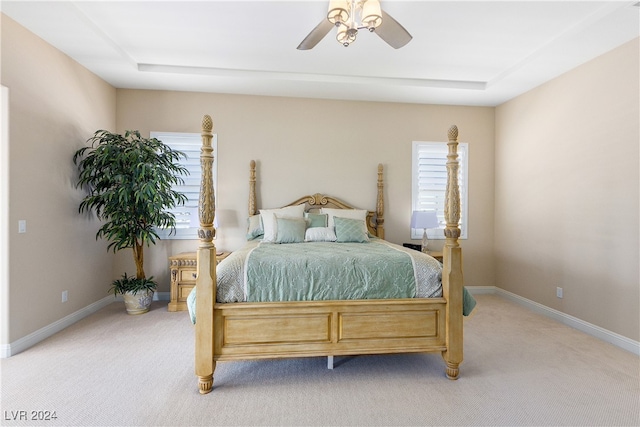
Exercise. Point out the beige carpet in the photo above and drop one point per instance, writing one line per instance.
(520, 368)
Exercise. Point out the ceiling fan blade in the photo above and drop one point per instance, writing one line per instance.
(392, 32)
(317, 34)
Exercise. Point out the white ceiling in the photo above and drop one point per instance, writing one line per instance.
(465, 53)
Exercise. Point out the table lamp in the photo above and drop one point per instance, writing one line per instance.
(424, 220)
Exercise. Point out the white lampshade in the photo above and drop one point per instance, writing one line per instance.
(371, 14)
(338, 11)
(424, 220)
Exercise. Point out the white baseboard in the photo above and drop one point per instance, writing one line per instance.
(8, 350)
(476, 290)
(586, 327)
(162, 296)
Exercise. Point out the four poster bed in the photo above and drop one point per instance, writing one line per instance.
(286, 323)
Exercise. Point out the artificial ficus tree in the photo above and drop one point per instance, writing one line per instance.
(129, 180)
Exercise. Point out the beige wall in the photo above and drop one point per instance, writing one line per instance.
(304, 146)
(564, 195)
(54, 105)
(567, 192)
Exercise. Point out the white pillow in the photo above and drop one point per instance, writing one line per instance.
(320, 234)
(269, 219)
(344, 213)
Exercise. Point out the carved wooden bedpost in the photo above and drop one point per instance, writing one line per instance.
(380, 204)
(452, 282)
(252, 188)
(206, 277)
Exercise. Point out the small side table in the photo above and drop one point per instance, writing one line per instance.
(184, 269)
(415, 247)
(436, 254)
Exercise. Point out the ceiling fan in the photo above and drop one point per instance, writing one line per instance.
(349, 16)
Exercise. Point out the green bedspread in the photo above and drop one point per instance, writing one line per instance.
(321, 271)
(262, 272)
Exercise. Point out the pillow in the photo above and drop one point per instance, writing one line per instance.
(290, 230)
(254, 227)
(344, 213)
(320, 234)
(317, 220)
(350, 230)
(269, 219)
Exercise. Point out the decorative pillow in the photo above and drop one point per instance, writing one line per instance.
(317, 220)
(269, 219)
(290, 230)
(254, 227)
(344, 213)
(350, 230)
(320, 234)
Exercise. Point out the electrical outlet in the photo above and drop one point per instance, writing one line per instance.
(559, 292)
(65, 296)
(22, 226)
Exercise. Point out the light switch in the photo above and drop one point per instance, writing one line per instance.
(22, 226)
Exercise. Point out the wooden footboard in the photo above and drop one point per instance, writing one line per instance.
(239, 331)
(328, 328)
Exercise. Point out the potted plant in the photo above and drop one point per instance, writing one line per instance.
(129, 183)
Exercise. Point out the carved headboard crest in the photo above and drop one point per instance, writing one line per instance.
(317, 199)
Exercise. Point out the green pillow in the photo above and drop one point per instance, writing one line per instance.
(254, 227)
(317, 220)
(290, 230)
(350, 230)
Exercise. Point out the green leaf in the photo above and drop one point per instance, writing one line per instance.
(128, 182)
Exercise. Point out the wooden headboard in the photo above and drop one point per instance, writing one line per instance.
(375, 219)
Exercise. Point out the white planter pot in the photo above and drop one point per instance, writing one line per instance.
(139, 302)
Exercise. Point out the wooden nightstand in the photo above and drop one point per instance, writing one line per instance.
(184, 268)
(436, 254)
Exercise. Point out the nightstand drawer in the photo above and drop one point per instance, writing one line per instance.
(187, 276)
(183, 291)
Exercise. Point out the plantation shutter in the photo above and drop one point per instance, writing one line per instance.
(430, 183)
(187, 220)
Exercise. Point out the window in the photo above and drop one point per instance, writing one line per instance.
(429, 183)
(187, 220)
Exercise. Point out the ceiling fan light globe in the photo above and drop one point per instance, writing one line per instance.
(371, 14)
(338, 11)
(346, 36)
(341, 36)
